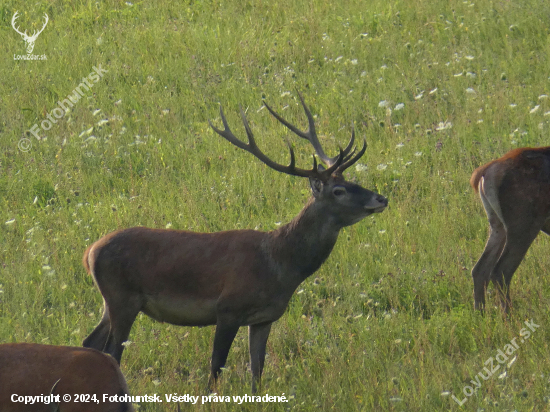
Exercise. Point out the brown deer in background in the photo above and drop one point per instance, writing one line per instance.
(228, 279)
(515, 191)
(29, 369)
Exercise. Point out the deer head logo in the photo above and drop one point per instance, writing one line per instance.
(29, 39)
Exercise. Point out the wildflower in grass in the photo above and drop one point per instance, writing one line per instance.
(353, 61)
(10, 222)
(458, 74)
(469, 57)
(471, 75)
(418, 154)
(363, 74)
(469, 90)
(383, 103)
(399, 106)
(86, 132)
(361, 167)
(512, 105)
(399, 145)
(383, 67)
(546, 113)
(433, 91)
(534, 109)
(102, 122)
(407, 164)
(543, 97)
(156, 382)
(338, 59)
(382, 231)
(381, 166)
(419, 95)
(95, 112)
(284, 94)
(443, 126)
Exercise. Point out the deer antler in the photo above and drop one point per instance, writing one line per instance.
(311, 135)
(253, 148)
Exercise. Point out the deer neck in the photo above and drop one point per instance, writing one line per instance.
(297, 249)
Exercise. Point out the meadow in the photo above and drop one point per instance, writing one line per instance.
(436, 88)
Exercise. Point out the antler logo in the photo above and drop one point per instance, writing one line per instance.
(29, 39)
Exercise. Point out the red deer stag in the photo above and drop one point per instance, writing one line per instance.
(515, 193)
(228, 279)
(28, 370)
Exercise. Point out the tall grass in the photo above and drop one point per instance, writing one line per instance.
(436, 88)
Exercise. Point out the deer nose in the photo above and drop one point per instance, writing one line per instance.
(382, 200)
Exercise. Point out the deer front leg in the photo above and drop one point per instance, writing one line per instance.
(257, 341)
(223, 338)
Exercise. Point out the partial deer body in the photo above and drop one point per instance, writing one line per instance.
(515, 191)
(228, 279)
(28, 369)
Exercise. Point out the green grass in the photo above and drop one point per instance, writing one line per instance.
(389, 322)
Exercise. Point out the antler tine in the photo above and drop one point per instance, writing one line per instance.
(351, 161)
(251, 147)
(348, 152)
(310, 135)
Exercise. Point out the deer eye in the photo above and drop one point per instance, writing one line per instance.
(338, 191)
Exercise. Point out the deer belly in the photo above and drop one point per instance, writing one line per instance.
(183, 312)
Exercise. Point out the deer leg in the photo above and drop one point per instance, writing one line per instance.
(98, 338)
(223, 338)
(482, 270)
(518, 241)
(122, 318)
(257, 340)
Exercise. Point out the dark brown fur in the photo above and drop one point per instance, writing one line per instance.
(515, 191)
(29, 369)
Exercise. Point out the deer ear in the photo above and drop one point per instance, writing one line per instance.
(316, 186)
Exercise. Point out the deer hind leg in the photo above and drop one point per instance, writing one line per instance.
(122, 317)
(519, 239)
(98, 338)
(497, 238)
(257, 341)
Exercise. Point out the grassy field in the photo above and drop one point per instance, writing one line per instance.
(436, 88)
